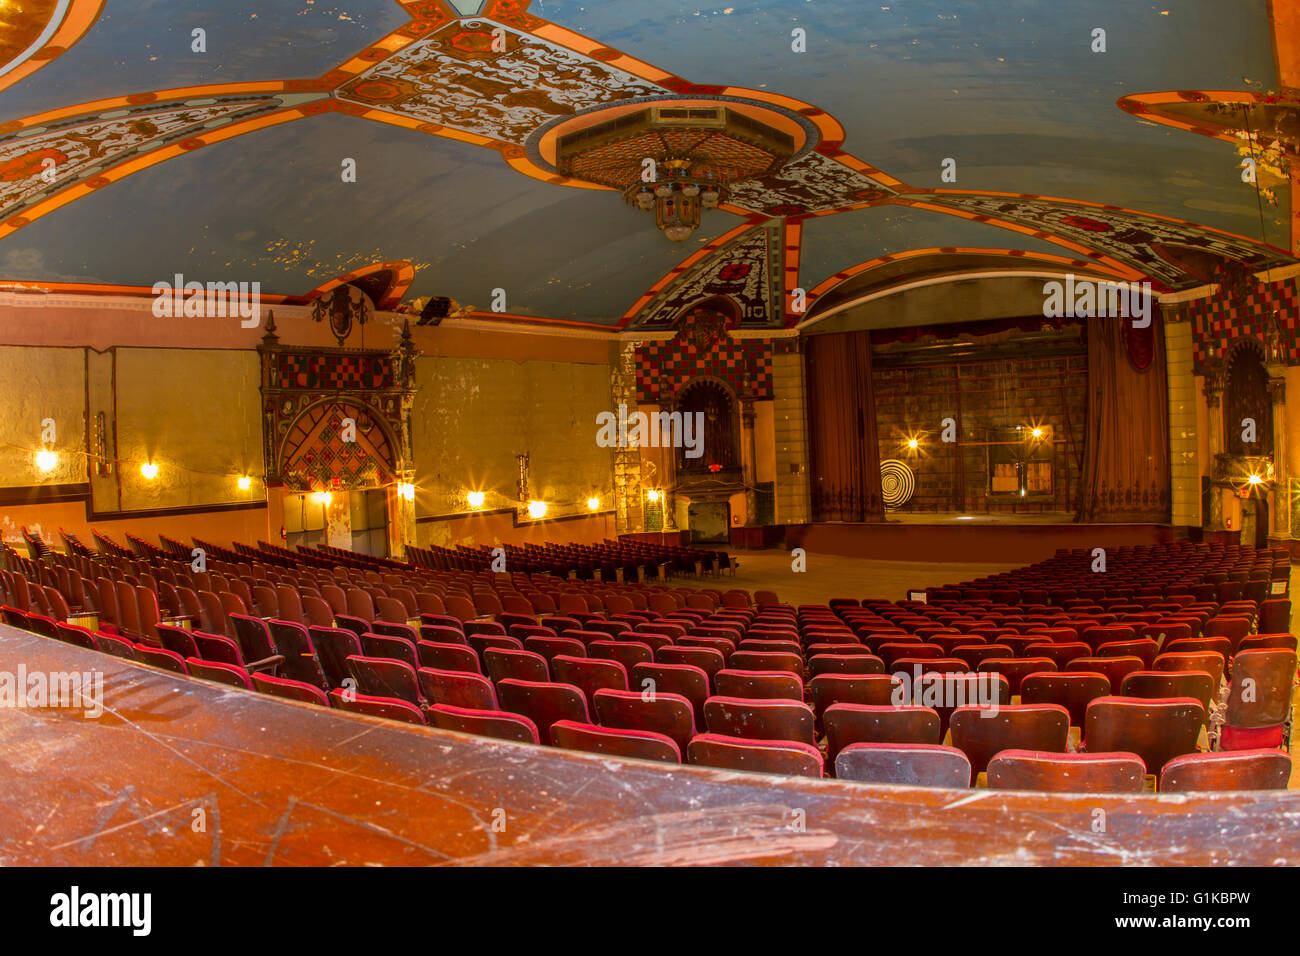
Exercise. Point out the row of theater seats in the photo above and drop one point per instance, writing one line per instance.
(133, 594)
(1198, 570)
(612, 560)
(739, 675)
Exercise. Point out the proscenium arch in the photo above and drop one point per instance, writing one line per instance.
(807, 326)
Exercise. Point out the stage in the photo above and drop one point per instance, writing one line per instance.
(993, 539)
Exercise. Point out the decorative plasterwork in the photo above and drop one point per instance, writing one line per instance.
(739, 267)
(491, 73)
(1114, 233)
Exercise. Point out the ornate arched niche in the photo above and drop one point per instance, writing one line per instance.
(1248, 406)
(719, 415)
(315, 400)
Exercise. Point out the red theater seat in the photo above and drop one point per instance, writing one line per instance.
(1236, 770)
(290, 689)
(1259, 700)
(638, 744)
(219, 673)
(789, 757)
(982, 732)
(485, 723)
(543, 702)
(590, 675)
(509, 663)
(778, 685)
(1066, 772)
(457, 689)
(1073, 690)
(915, 765)
(448, 657)
(863, 723)
(1155, 730)
(759, 719)
(386, 707)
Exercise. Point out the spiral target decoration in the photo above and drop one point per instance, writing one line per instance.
(897, 483)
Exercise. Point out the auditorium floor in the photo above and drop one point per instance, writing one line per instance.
(828, 576)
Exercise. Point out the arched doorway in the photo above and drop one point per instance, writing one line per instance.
(337, 462)
(1254, 521)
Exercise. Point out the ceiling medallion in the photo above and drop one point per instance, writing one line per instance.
(674, 161)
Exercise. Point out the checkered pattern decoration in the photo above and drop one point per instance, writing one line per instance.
(318, 457)
(1244, 306)
(333, 371)
(703, 347)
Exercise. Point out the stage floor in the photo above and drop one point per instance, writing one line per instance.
(963, 518)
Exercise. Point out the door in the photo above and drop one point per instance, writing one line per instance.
(370, 522)
(710, 521)
(304, 521)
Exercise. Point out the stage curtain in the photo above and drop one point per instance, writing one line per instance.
(1126, 456)
(845, 458)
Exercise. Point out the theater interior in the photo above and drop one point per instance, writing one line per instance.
(558, 432)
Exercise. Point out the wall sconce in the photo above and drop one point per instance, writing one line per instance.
(475, 499)
(46, 460)
(103, 464)
(593, 504)
(537, 509)
(406, 490)
(322, 497)
(523, 476)
(149, 470)
(245, 482)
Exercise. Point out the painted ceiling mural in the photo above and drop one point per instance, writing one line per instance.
(225, 161)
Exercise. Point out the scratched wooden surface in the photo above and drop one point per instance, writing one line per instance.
(291, 785)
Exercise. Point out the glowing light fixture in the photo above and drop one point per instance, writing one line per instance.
(676, 181)
(322, 497)
(475, 499)
(46, 460)
(245, 482)
(652, 495)
(1037, 433)
(537, 509)
(406, 490)
(913, 444)
(149, 470)
(1255, 480)
(593, 504)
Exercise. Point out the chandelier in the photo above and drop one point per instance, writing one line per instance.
(676, 197)
(674, 161)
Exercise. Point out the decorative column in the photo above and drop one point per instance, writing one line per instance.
(749, 461)
(1213, 390)
(628, 514)
(401, 520)
(401, 523)
(669, 481)
(1280, 506)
